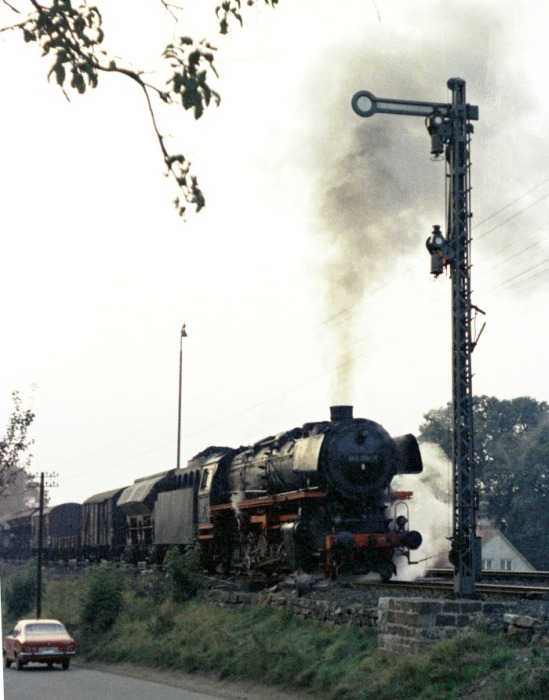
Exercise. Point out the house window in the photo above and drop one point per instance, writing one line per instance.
(505, 564)
(486, 564)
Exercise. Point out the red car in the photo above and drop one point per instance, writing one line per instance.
(43, 641)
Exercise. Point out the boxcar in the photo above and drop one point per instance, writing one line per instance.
(103, 526)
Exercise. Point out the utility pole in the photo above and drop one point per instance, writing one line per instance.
(182, 334)
(40, 545)
(40, 542)
(450, 129)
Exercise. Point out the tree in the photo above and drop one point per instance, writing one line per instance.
(72, 38)
(512, 463)
(103, 599)
(18, 490)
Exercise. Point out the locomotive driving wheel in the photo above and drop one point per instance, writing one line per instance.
(255, 549)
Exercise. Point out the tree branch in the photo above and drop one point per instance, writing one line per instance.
(74, 37)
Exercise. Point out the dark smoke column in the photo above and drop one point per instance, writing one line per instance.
(449, 126)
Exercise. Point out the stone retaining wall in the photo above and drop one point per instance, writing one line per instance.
(404, 625)
(301, 608)
(412, 624)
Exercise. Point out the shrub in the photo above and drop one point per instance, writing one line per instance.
(182, 571)
(103, 599)
(20, 594)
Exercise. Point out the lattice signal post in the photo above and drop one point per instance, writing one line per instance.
(450, 129)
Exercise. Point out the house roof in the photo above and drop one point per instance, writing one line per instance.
(487, 534)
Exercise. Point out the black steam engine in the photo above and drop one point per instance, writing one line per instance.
(316, 496)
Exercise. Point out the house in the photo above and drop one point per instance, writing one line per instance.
(499, 554)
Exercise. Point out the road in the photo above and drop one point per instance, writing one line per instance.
(102, 682)
(39, 683)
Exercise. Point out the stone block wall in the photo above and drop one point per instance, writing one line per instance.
(403, 625)
(408, 625)
(302, 608)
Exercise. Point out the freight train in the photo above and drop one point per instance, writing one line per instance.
(314, 497)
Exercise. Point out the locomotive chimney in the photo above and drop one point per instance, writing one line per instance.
(341, 413)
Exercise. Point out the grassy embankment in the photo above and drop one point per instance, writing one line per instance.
(155, 620)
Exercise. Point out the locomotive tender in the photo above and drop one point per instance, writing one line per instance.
(315, 496)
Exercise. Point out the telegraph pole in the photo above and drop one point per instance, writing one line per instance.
(40, 545)
(182, 334)
(40, 542)
(450, 129)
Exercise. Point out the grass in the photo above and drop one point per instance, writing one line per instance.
(265, 645)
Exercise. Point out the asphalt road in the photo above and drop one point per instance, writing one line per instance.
(85, 681)
(40, 683)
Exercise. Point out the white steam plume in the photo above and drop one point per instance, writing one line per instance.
(430, 511)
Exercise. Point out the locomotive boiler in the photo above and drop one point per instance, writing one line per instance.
(315, 496)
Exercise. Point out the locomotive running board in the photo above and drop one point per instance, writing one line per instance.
(270, 500)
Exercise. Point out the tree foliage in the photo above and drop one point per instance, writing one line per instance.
(103, 599)
(20, 592)
(17, 487)
(72, 38)
(512, 466)
(182, 570)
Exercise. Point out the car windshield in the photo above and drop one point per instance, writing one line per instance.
(44, 628)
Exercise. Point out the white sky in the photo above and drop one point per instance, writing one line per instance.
(99, 273)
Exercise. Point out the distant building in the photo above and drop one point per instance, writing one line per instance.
(499, 554)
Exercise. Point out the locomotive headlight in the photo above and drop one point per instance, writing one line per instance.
(401, 522)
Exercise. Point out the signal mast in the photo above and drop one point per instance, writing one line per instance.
(450, 129)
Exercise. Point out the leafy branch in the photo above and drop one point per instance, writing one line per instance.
(73, 37)
(230, 10)
(14, 446)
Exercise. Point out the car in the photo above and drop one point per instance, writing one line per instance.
(42, 641)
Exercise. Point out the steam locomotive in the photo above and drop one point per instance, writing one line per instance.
(314, 497)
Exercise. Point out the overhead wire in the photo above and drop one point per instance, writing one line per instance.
(517, 279)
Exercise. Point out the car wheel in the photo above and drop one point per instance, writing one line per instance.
(65, 664)
(7, 661)
(19, 664)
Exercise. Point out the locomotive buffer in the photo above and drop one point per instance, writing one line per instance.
(450, 129)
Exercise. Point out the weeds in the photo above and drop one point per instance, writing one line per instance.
(143, 621)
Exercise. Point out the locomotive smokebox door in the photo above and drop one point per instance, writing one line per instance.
(359, 458)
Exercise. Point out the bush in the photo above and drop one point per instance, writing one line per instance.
(103, 599)
(182, 571)
(20, 594)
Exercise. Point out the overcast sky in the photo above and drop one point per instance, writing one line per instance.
(305, 282)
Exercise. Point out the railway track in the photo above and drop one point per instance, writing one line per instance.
(539, 578)
(444, 585)
(513, 587)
